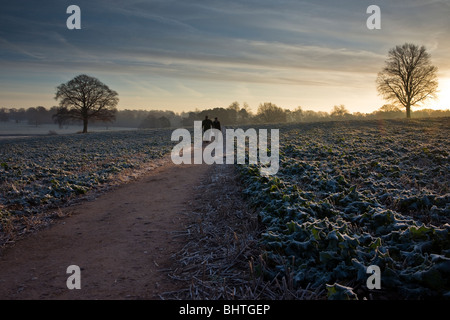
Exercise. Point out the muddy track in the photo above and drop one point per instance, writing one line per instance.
(123, 242)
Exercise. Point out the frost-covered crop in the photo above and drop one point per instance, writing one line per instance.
(43, 172)
(351, 195)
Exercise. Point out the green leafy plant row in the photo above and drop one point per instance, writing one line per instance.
(352, 195)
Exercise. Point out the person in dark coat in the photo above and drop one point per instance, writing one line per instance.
(216, 124)
(206, 125)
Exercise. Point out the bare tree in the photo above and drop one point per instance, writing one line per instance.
(4, 117)
(339, 112)
(408, 77)
(37, 116)
(270, 113)
(86, 98)
(389, 108)
(298, 114)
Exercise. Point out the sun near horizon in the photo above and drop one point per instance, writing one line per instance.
(443, 95)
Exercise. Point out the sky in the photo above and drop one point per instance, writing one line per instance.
(183, 55)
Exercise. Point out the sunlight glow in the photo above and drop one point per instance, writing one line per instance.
(443, 100)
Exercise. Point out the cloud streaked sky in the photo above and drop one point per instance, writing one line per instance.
(181, 55)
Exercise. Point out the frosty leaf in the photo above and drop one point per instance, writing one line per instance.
(340, 292)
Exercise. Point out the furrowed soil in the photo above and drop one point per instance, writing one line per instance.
(123, 241)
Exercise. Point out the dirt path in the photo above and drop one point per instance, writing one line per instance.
(122, 241)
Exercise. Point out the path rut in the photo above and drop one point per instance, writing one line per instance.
(122, 241)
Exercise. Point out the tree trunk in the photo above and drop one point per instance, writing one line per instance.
(408, 111)
(85, 125)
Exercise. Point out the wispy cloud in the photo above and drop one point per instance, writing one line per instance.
(242, 42)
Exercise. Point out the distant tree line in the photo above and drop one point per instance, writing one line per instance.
(234, 114)
(407, 79)
(33, 116)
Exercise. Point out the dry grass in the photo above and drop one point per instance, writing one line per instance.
(222, 258)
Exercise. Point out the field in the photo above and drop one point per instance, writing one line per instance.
(11, 129)
(40, 173)
(348, 195)
(353, 194)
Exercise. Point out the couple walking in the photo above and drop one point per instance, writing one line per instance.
(208, 124)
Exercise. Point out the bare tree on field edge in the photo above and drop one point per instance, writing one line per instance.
(85, 98)
(408, 77)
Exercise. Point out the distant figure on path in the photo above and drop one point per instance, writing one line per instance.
(206, 125)
(216, 124)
